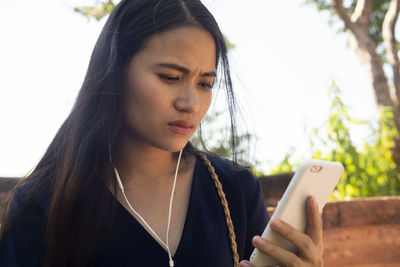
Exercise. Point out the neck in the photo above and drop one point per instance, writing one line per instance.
(142, 164)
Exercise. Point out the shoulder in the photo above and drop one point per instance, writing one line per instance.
(234, 176)
(246, 204)
(28, 197)
(228, 168)
(22, 242)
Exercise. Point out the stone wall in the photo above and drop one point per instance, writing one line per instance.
(362, 232)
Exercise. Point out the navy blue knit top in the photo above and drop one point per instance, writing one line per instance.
(204, 241)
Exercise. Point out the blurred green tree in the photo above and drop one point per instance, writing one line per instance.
(218, 139)
(369, 168)
(370, 26)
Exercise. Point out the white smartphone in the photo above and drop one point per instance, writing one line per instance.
(313, 178)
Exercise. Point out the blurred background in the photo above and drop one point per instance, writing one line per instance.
(313, 79)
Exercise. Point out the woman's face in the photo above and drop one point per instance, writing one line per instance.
(168, 87)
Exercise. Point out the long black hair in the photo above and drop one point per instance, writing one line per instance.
(76, 165)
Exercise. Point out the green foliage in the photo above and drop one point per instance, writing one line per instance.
(97, 11)
(285, 165)
(369, 168)
(256, 172)
(375, 20)
(217, 139)
(229, 45)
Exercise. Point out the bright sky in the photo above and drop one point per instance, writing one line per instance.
(285, 58)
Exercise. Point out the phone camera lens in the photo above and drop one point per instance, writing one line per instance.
(315, 168)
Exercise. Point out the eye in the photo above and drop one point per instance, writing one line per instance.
(168, 78)
(205, 85)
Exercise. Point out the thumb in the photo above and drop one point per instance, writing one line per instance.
(245, 263)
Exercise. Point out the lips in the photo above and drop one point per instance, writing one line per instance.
(181, 123)
(181, 127)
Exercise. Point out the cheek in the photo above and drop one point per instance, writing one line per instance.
(205, 102)
(145, 96)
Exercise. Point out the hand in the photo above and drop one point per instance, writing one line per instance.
(310, 245)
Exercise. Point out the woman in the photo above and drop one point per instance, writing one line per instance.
(111, 189)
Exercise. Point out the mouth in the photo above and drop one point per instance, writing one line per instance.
(181, 127)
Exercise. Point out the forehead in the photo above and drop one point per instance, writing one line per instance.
(191, 46)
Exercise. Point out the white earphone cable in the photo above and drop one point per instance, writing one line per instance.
(171, 262)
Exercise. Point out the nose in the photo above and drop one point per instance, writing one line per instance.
(187, 99)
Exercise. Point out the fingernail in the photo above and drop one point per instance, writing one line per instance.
(276, 224)
(313, 202)
(258, 241)
(245, 264)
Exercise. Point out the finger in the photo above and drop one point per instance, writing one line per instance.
(244, 263)
(302, 241)
(284, 256)
(314, 223)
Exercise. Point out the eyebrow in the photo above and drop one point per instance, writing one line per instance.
(185, 70)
